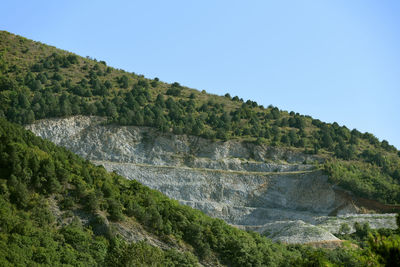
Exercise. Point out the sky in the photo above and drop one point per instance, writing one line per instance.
(337, 61)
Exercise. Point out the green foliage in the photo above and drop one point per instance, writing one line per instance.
(387, 248)
(364, 179)
(123, 81)
(380, 247)
(49, 93)
(29, 233)
(175, 89)
(142, 254)
(115, 210)
(37, 81)
(344, 229)
(347, 256)
(27, 239)
(32, 162)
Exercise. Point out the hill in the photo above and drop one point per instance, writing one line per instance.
(59, 209)
(39, 81)
(245, 184)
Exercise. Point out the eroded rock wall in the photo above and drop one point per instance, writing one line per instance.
(244, 184)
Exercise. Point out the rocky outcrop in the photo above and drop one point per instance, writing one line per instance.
(294, 232)
(239, 197)
(322, 229)
(262, 188)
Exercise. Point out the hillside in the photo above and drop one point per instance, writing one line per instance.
(251, 186)
(39, 81)
(60, 209)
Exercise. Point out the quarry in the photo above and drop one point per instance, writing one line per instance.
(278, 192)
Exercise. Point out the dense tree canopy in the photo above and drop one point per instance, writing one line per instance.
(37, 81)
(39, 178)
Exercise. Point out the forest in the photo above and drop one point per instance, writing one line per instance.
(38, 177)
(44, 189)
(38, 81)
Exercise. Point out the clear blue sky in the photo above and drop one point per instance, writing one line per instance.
(334, 60)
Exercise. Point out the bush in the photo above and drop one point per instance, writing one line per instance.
(115, 210)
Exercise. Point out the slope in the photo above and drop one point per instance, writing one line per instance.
(57, 208)
(38, 81)
(247, 185)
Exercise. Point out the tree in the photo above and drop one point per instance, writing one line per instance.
(56, 87)
(7, 83)
(160, 101)
(36, 85)
(285, 139)
(396, 174)
(222, 134)
(52, 185)
(18, 192)
(161, 123)
(91, 202)
(65, 108)
(107, 84)
(123, 81)
(57, 76)
(37, 67)
(197, 128)
(90, 109)
(154, 83)
(293, 137)
(30, 117)
(73, 59)
(175, 89)
(111, 110)
(115, 210)
(23, 101)
(327, 141)
(344, 229)
(362, 230)
(42, 78)
(300, 123)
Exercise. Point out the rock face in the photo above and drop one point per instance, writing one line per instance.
(266, 189)
(294, 232)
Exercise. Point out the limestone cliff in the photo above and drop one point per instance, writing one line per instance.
(271, 190)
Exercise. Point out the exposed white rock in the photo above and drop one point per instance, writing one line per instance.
(244, 184)
(294, 232)
(376, 221)
(87, 137)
